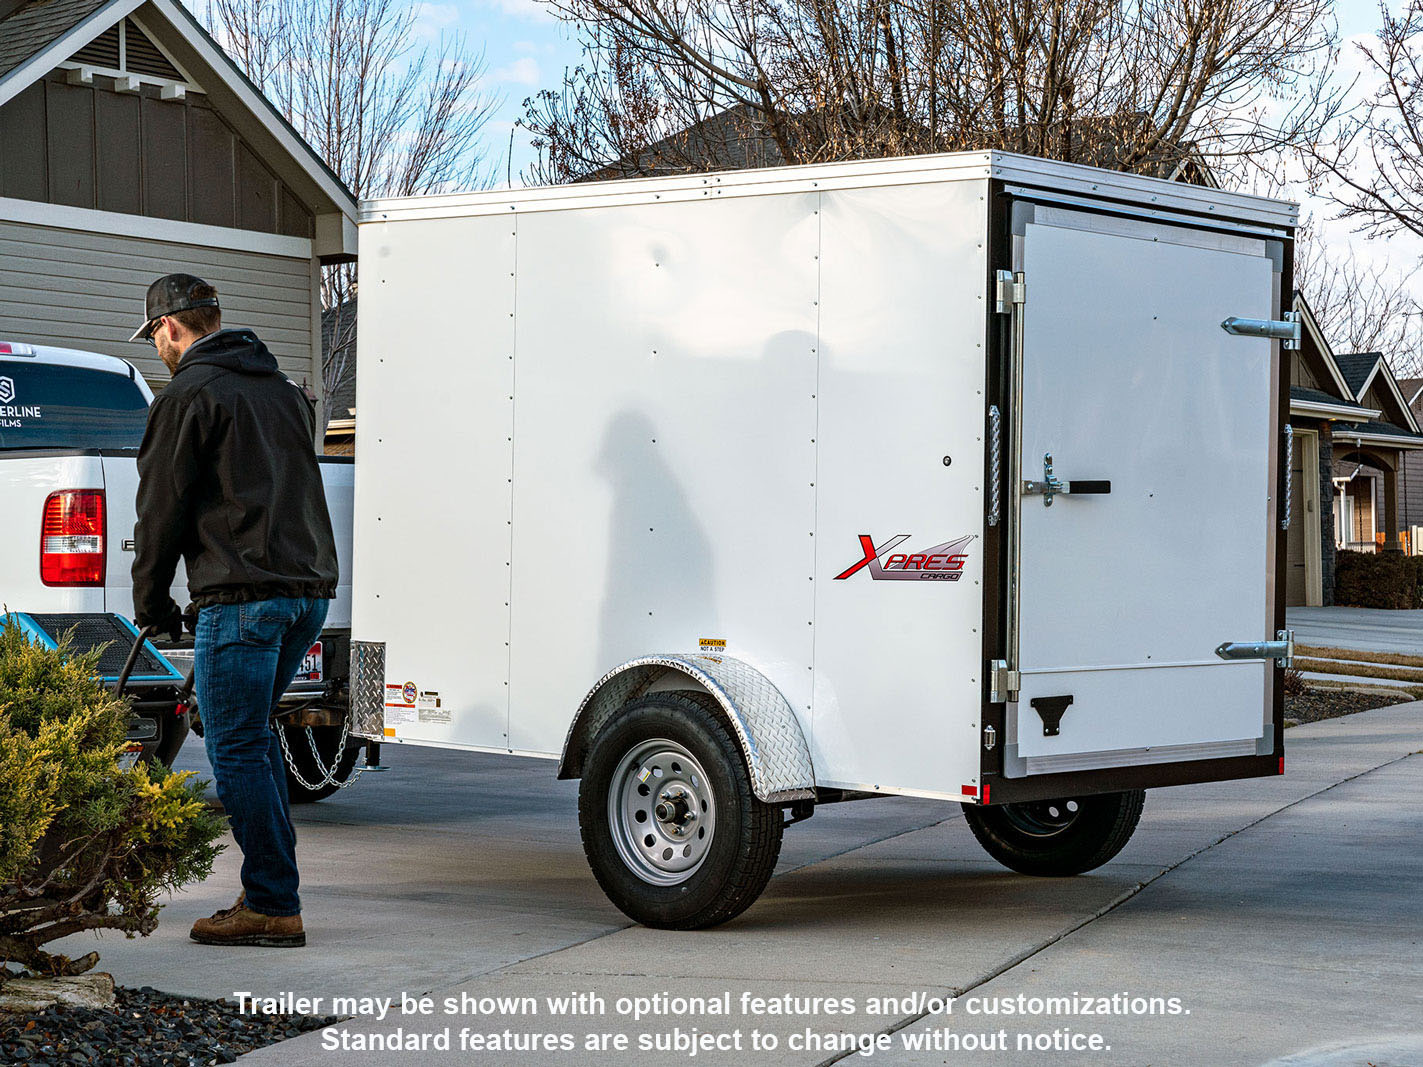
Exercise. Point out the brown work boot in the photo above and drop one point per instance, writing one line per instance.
(240, 925)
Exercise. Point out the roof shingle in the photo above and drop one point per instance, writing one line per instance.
(1356, 367)
(38, 24)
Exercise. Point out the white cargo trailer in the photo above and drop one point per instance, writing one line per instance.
(953, 476)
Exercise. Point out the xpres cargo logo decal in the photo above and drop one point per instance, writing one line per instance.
(942, 563)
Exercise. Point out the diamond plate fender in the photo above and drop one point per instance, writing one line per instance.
(368, 689)
(766, 727)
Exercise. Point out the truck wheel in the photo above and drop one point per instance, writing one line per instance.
(301, 765)
(171, 740)
(1057, 837)
(670, 825)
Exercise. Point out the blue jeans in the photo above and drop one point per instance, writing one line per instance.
(245, 656)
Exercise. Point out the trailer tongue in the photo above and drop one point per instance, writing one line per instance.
(951, 476)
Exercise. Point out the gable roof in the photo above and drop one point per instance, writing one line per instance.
(1373, 366)
(40, 34)
(1321, 345)
(33, 26)
(1358, 368)
(1317, 402)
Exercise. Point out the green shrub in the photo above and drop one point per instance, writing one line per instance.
(1378, 580)
(84, 843)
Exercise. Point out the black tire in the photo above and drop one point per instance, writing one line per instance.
(326, 738)
(739, 851)
(1057, 837)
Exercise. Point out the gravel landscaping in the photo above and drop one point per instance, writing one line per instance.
(146, 1028)
(1315, 704)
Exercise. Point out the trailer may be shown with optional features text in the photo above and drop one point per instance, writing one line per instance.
(952, 476)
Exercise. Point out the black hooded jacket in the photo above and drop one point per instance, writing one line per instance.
(228, 480)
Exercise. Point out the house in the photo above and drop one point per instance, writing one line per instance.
(133, 147)
(1410, 490)
(338, 346)
(740, 138)
(1353, 432)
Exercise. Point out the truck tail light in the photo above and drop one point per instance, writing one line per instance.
(72, 538)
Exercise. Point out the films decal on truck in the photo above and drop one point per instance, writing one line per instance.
(943, 562)
(10, 413)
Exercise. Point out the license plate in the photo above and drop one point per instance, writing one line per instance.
(310, 669)
(129, 757)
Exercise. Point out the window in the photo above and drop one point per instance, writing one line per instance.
(48, 406)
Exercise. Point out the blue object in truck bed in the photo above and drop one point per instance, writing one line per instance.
(88, 630)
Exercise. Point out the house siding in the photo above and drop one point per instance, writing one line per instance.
(89, 146)
(78, 289)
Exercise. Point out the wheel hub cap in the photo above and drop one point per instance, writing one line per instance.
(661, 812)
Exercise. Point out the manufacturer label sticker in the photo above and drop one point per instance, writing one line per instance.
(941, 563)
(429, 708)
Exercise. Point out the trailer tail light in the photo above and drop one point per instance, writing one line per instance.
(72, 538)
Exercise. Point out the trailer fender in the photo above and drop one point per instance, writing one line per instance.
(771, 740)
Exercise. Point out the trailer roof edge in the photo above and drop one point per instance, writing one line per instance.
(901, 170)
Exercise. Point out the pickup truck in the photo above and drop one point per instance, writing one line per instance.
(70, 426)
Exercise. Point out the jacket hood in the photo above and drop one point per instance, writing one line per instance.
(237, 350)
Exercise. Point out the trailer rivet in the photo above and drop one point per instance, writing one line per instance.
(948, 460)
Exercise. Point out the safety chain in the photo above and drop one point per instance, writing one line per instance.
(328, 774)
(995, 463)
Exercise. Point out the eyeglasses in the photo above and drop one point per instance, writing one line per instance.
(149, 338)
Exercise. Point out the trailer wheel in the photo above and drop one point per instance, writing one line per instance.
(298, 747)
(670, 825)
(1057, 837)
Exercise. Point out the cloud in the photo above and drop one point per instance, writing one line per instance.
(432, 19)
(534, 10)
(523, 71)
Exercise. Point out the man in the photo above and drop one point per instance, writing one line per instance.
(228, 480)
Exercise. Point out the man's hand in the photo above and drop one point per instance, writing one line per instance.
(172, 623)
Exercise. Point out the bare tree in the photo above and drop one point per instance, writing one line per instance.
(1132, 84)
(1361, 306)
(1371, 163)
(390, 116)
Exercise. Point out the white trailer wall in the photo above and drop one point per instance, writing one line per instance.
(708, 402)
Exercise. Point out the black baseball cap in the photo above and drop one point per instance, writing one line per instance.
(169, 294)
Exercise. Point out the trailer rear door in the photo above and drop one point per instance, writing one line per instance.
(1167, 428)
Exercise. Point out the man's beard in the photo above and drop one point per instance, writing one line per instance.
(169, 353)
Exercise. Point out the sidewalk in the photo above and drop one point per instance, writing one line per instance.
(1285, 912)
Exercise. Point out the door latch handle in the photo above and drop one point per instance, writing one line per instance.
(1050, 486)
(1282, 649)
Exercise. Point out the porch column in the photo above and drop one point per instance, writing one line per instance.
(1390, 511)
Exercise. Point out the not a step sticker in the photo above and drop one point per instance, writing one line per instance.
(428, 706)
(400, 702)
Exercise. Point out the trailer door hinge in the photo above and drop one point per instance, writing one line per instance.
(1282, 649)
(990, 738)
(1286, 328)
(1002, 683)
(1011, 289)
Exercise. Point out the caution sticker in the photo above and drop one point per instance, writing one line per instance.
(712, 644)
(399, 703)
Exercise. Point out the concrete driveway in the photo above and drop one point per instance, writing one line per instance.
(1285, 914)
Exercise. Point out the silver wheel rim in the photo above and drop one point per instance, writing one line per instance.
(662, 812)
